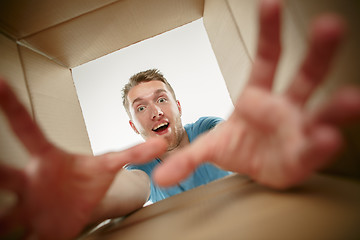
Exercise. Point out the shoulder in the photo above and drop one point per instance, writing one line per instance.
(205, 123)
(202, 125)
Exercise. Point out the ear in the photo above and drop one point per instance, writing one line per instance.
(179, 106)
(133, 127)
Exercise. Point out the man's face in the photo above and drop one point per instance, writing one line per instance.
(155, 112)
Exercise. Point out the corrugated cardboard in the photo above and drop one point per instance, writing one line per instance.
(12, 152)
(40, 41)
(238, 48)
(231, 53)
(22, 18)
(241, 21)
(104, 30)
(55, 104)
(237, 208)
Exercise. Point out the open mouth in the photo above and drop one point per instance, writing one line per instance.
(161, 127)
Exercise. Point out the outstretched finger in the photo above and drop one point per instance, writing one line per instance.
(21, 123)
(269, 48)
(12, 179)
(325, 37)
(343, 108)
(181, 164)
(325, 141)
(138, 154)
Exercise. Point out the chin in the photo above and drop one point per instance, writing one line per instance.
(173, 145)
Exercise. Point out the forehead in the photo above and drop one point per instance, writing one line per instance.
(145, 90)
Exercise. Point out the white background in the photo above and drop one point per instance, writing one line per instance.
(183, 55)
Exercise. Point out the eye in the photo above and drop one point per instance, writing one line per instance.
(161, 100)
(140, 108)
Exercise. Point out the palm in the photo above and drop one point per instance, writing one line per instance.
(266, 140)
(74, 186)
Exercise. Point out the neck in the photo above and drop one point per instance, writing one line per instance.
(184, 141)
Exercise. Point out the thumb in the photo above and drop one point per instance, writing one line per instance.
(139, 154)
(181, 164)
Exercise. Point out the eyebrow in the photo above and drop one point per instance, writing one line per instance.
(157, 92)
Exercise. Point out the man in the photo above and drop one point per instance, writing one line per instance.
(151, 104)
(270, 138)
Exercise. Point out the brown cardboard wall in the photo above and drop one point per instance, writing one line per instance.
(47, 91)
(238, 21)
(237, 208)
(56, 106)
(242, 16)
(228, 45)
(241, 20)
(110, 28)
(22, 18)
(12, 152)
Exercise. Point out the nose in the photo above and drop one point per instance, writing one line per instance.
(156, 112)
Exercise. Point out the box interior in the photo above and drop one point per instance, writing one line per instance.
(41, 42)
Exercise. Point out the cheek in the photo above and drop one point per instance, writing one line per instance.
(173, 109)
(139, 121)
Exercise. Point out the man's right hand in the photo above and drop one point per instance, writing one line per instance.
(57, 191)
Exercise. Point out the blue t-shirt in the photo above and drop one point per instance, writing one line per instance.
(204, 174)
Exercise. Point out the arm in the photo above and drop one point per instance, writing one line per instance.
(128, 192)
(273, 138)
(60, 193)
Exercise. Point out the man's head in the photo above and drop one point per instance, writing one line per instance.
(141, 77)
(152, 107)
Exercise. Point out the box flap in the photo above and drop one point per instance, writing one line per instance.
(21, 18)
(110, 28)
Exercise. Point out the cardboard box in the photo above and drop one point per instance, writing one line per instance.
(236, 208)
(42, 40)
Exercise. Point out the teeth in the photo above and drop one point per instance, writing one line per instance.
(159, 126)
